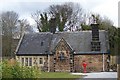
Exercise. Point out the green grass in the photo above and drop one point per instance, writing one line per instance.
(58, 75)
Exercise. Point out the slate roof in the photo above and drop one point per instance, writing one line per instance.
(79, 41)
(31, 44)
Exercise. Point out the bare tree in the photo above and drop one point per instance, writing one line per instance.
(24, 27)
(36, 16)
(104, 22)
(8, 22)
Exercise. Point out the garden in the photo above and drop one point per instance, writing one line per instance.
(12, 69)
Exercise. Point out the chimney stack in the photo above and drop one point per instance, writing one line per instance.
(95, 32)
(53, 25)
(95, 43)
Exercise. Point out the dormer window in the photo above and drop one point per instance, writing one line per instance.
(42, 43)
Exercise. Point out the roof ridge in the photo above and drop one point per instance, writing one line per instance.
(39, 33)
(62, 32)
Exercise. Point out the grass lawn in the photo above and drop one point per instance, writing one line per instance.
(58, 75)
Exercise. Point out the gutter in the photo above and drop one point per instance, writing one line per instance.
(92, 52)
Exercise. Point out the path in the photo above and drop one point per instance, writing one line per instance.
(98, 76)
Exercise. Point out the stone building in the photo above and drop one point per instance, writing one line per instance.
(65, 51)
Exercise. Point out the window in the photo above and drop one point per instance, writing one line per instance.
(26, 61)
(40, 61)
(30, 61)
(23, 61)
(61, 56)
(35, 61)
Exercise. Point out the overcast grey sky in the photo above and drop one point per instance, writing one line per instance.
(107, 8)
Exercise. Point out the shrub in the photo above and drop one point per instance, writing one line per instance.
(17, 71)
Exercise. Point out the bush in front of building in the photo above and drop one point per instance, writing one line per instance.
(13, 70)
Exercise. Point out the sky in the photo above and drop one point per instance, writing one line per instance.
(25, 8)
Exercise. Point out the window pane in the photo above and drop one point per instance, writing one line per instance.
(40, 61)
(23, 61)
(30, 61)
(35, 61)
(26, 61)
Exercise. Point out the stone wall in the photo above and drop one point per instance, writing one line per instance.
(94, 62)
(60, 65)
(51, 64)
